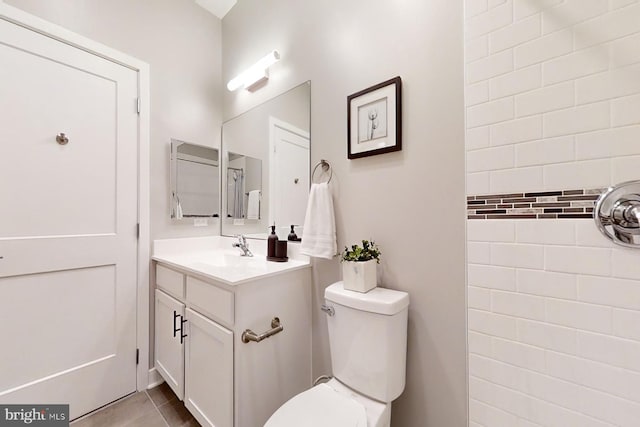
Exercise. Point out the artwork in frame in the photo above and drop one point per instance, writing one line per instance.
(374, 120)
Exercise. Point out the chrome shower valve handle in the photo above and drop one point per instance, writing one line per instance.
(617, 214)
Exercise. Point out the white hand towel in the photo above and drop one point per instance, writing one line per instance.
(253, 205)
(319, 232)
(179, 210)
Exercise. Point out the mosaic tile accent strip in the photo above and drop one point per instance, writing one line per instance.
(535, 205)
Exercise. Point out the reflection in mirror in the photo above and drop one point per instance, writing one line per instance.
(194, 181)
(244, 187)
(270, 142)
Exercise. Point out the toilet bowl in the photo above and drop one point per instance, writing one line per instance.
(368, 340)
(331, 404)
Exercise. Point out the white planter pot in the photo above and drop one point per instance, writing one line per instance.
(359, 276)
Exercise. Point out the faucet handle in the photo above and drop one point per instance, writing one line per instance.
(242, 239)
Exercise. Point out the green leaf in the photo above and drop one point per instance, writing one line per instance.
(368, 251)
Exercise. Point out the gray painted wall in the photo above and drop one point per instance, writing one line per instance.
(411, 202)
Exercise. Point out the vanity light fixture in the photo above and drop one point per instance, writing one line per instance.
(257, 73)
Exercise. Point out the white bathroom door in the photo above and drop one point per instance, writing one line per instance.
(290, 176)
(68, 216)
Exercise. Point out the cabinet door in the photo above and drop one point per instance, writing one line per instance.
(209, 371)
(169, 352)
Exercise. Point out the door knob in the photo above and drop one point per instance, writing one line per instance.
(62, 139)
(617, 214)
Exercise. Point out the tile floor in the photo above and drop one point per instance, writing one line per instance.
(157, 407)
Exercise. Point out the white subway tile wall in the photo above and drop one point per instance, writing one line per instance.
(553, 103)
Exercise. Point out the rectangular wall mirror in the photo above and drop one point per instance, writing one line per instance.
(195, 181)
(266, 155)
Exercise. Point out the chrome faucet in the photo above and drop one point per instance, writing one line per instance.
(242, 244)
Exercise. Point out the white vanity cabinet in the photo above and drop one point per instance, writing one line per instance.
(199, 351)
(169, 352)
(208, 387)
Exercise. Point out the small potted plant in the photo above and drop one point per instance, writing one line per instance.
(359, 266)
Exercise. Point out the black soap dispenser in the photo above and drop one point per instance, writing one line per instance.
(293, 237)
(271, 242)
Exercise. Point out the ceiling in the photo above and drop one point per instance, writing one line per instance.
(217, 7)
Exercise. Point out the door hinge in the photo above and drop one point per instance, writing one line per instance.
(137, 356)
(138, 105)
(137, 230)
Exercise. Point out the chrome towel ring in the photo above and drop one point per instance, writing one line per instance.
(326, 167)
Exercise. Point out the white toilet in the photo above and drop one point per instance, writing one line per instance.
(368, 339)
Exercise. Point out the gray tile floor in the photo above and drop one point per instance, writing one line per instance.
(157, 407)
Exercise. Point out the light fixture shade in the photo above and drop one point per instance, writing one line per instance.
(234, 83)
(255, 77)
(268, 60)
(255, 74)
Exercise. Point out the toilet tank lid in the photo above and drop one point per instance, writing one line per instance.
(377, 300)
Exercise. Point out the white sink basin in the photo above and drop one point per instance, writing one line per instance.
(219, 261)
(222, 258)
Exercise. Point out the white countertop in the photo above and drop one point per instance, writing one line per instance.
(214, 257)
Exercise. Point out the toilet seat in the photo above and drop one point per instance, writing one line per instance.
(320, 406)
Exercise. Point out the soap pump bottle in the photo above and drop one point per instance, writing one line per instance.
(271, 242)
(293, 237)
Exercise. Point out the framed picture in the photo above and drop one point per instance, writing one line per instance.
(374, 120)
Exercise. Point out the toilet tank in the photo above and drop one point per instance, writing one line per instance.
(368, 339)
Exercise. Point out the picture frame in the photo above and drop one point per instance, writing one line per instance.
(374, 120)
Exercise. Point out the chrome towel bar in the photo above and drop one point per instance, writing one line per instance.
(248, 335)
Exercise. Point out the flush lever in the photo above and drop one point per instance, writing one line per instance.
(328, 309)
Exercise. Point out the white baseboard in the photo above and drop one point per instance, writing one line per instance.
(155, 379)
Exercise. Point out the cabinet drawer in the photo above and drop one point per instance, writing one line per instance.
(170, 281)
(210, 300)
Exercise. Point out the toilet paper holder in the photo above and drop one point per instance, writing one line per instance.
(617, 214)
